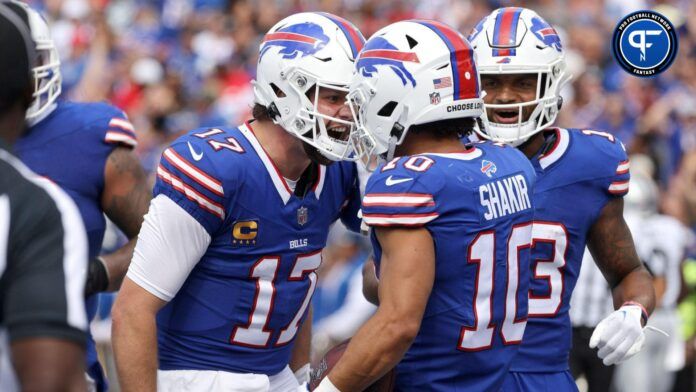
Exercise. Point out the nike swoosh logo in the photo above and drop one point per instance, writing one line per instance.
(391, 181)
(196, 156)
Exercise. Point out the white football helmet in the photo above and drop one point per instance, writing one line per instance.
(642, 197)
(410, 73)
(302, 52)
(47, 78)
(515, 40)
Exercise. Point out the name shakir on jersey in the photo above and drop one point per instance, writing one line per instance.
(504, 197)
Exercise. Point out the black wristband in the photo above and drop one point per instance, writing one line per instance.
(97, 277)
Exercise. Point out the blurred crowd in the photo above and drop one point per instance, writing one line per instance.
(175, 65)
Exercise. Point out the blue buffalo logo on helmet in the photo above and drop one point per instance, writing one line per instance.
(546, 33)
(477, 30)
(378, 51)
(302, 39)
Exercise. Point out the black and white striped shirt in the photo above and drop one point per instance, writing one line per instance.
(43, 261)
(592, 299)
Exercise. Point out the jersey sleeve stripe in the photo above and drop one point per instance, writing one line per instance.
(205, 203)
(623, 167)
(122, 131)
(398, 200)
(118, 137)
(193, 172)
(618, 187)
(122, 124)
(399, 219)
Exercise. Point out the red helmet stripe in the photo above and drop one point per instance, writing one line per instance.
(283, 36)
(391, 55)
(462, 58)
(355, 38)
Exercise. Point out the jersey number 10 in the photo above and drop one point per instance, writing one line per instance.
(482, 251)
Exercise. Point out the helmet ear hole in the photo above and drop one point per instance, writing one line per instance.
(273, 112)
(560, 102)
(277, 91)
(387, 109)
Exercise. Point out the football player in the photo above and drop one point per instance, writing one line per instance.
(87, 149)
(224, 268)
(451, 223)
(582, 176)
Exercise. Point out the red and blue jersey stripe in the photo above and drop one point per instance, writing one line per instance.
(464, 74)
(505, 31)
(355, 38)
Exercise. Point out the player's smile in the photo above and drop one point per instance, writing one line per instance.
(338, 131)
(506, 90)
(504, 116)
(332, 103)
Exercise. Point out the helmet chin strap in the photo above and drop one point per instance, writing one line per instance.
(391, 147)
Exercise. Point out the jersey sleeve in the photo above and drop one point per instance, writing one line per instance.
(399, 197)
(170, 244)
(187, 175)
(618, 184)
(611, 162)
(118, 130)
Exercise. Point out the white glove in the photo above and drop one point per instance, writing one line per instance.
(302, 374)
(326, 386)
(620, 335)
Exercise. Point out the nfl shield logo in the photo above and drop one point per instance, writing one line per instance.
(302, 215)
(435, 98)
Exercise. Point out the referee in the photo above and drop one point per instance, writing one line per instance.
(43, 247)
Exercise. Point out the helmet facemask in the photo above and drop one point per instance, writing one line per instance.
(517, 41)
(307, 122)
(367, 148)
(47, 77)
(545, 105)
(301, 57)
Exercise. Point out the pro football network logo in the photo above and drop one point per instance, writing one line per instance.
(645, 43)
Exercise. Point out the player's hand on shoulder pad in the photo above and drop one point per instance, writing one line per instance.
(620, 335)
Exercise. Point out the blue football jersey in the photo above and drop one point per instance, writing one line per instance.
(478, 208)
(70, 147)
(580, 173)
(240, 307)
